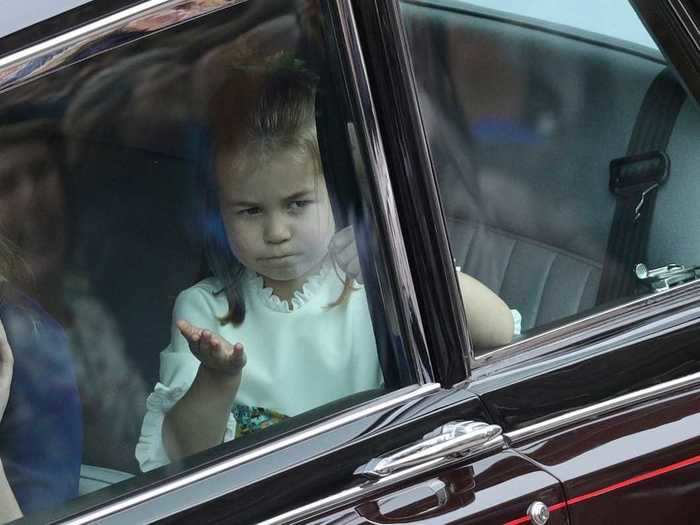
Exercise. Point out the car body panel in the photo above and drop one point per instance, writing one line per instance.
(593, 373)
(493, 490)
(637, 465)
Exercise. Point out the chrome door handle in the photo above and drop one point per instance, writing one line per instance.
(454, 439)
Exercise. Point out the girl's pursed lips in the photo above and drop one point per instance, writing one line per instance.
(278, 257)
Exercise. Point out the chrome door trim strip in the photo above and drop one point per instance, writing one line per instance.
(56, 52)
(345, 497)
(593, 325)
(600, 409)
(367, 489)
(412, 393)
(678, 6)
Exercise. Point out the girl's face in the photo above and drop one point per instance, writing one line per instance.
(277, 214)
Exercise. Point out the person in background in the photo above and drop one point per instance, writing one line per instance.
(36, 217)
(40, 423)
(9, 509)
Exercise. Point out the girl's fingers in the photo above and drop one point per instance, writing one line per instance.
(210, 348)
(212, 341)
(349, 262)
(185, 328)
(189, 331)
(342, 238)
(346, 255)
(354, 268)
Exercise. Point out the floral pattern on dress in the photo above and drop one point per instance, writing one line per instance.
(251, 419)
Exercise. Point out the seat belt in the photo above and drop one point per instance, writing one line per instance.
(635, 180)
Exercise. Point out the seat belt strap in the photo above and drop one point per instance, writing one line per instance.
(635, 180)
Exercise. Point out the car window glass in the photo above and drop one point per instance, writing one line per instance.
(564, 163)
(186, 256)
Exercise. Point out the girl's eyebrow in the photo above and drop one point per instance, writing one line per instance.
(247, 204)
(299, 194)
(250, 204)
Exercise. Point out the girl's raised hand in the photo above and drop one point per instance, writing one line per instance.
(343, 251)
(212, 350)
(6, 366)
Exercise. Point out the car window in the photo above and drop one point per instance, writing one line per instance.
(563, 158)
(189, 264)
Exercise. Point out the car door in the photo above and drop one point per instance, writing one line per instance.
(114, 88)
(530, 110)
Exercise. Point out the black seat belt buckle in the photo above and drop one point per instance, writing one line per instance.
(634, 177)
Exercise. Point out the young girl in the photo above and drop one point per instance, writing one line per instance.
(280, 328)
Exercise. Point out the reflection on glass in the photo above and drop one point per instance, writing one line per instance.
(523, 121)
(172, 194)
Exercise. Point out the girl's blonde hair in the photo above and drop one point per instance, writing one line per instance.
(270, 107)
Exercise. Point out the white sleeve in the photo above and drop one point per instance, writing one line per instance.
(517, 322)
(178, 368)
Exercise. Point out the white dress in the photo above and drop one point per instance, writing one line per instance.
(298, 358)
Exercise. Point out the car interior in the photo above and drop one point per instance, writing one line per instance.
(523, 118)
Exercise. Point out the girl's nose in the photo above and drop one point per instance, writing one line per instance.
(277, 229)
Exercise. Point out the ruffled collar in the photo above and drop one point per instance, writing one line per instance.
(300, 297)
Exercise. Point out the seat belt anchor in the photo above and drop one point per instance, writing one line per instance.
(665, 277)
(634, 177)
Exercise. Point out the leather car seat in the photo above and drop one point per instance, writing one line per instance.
(525, 193)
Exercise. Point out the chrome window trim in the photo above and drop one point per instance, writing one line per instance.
(591, 326)
(411, 393)
(56, 51)
(602, 408)
(367, 122)
(684, 17)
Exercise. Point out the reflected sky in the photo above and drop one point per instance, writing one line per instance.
(619, 20)
(17, 15)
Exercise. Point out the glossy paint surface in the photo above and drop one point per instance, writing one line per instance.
(324, 465)
(611, 367)
(640, 465)
(496, 489)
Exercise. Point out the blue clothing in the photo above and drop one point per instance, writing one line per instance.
(41, 431)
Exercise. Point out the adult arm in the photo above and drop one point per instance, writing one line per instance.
(41, 430)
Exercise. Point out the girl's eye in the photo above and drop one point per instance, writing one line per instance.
(249, 211)
(298, 205)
